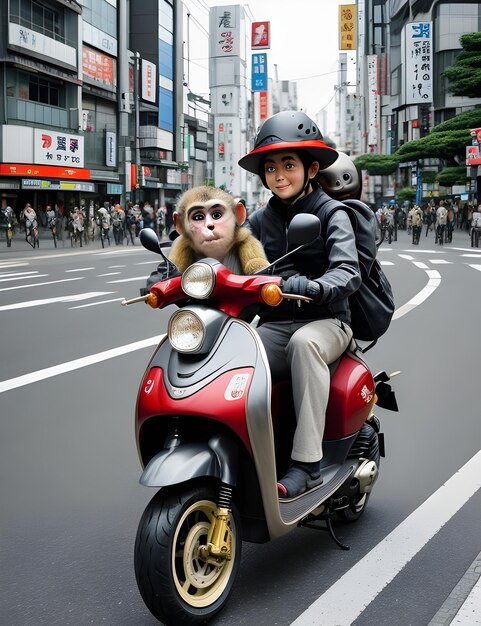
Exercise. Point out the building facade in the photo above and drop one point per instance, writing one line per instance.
(93, 106)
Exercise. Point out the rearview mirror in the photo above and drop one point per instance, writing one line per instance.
(303, 230)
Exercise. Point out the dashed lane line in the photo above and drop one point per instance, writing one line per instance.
(74, 298)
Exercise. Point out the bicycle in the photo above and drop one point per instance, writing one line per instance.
(53, 230)
(475, 230)
(31, 234)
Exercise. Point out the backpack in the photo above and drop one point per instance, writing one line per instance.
(372, 305)
(416, 219)
(442, 216)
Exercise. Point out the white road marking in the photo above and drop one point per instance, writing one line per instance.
(5, 264)
(440, 262)
(31, 275)
(74, 298)
(421, 266)
(365, 580)
(108, 274)
(51, 282)
(83, 306)
(476, 267)
(69, 366)
(80, 269)
(473, 256)
(386, 263)
(433, 283)
(127, 280)
(406, 256)
(10, 274)
(114, 267)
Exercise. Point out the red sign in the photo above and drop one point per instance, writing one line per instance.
(99, 67)
(476, 132)
(48, 171)
(263, 105)
(472, 156)
(260, 35)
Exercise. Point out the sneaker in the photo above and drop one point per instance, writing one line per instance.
(299, 478)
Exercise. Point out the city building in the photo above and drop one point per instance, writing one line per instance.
(94, 105)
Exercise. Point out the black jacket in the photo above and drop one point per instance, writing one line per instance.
(332, 260)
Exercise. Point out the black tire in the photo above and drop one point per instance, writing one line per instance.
(355, 509)
(173, 526)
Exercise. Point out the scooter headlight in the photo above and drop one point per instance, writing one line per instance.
(198, 281)
(186, 331)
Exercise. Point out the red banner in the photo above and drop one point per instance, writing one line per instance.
(48, 171)
(263, 105)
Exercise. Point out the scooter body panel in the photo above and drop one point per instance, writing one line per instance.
(351, 397)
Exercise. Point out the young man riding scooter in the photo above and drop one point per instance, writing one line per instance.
(288, 155)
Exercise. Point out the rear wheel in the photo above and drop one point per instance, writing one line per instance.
(177, 583)
(366, 446)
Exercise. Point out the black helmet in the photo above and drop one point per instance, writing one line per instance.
(288, 130)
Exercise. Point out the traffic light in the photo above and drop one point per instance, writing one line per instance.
(425, 120)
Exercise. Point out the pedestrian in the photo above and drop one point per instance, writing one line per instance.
(289, 151)
(415, 223)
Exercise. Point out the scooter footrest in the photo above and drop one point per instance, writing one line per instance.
(298, 507)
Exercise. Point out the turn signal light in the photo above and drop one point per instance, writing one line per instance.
(152, 300)
(271, 294)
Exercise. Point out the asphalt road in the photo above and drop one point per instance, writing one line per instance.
(69, 469)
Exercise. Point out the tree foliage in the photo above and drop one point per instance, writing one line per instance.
(406, 193)
(448, 145)
(465, 74)
(377, 164)
(450, 176)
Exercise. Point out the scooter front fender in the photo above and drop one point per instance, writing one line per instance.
(183, 462)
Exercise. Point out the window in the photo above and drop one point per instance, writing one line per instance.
(40, 17)
(44, 91)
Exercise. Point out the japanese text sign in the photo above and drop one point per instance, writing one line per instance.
(260, 35)
(419, 62)
(227, 36)
(259, 72)
(347, 27)
(53, 148)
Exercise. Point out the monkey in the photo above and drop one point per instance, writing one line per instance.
(209, 222)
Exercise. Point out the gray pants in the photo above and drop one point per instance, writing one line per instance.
(306, 350)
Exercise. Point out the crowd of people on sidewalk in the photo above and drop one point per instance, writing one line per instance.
(81, 225)
(439, 217)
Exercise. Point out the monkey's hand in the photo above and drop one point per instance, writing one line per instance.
(302, 286)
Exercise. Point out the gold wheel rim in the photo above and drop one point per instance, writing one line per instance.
(197, 582)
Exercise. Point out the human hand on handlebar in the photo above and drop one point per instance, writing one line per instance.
(302, 286)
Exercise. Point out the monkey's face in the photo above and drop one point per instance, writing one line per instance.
(211, 228)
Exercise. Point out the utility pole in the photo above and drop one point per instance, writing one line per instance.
(137, 124)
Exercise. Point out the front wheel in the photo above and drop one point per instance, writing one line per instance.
(177, 583)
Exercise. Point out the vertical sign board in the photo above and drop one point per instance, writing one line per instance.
(225, 40)
(149, 81)
(418, 62)
(259, 72)
(263, 105)
(110, 149)
(347, 27)
(260, 35)
(373, 102)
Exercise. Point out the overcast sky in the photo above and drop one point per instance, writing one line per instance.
(304, 45)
